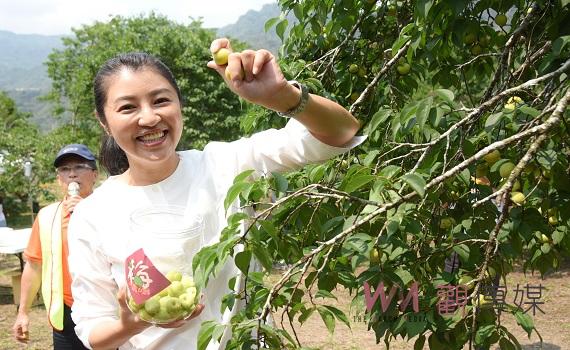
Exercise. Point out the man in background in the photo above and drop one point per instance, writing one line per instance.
(46, 253)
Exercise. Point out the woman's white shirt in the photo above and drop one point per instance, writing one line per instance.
(100, 238)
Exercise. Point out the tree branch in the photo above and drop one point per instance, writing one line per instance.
(505, 56)
(368, 90)
(531, 152)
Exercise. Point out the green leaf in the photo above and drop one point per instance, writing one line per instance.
(321, 293)
(263, 256)
(271, 22)
(423, 7)
(558, 44)
(256, 277)
(338, 314)
(269, 227)
(392, 227)
(533, 112)
(390, 171)
(317, 172)
(247, 190)
(396, 253)
(414, 328)
(547, 158)
(281, 182)
(332, 223)
(398, 325)
(298, 11)
(505, 344)
(205, 334)
(483, 333)
(399, 43)
(492, 121)
(407, 28)
(234, 192)
(557, 236)
(446, 95)
(423, 110)
(305, 314)
(459, 5)
(280, 28)
(525, 321)
(465, 176)
(378, 118)
(328, 318)
(404, 275)
(228, 302)
(235, 218)
(463, 251)
(310, 278)
(242, 176)
(419, 344)
(357, 181)
(242, 260)
(370, 157)
(416, 182)
(218, 332)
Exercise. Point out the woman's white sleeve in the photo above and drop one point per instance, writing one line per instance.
(278, 150)
(93, 288)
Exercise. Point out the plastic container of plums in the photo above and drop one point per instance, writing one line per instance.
(160, 285)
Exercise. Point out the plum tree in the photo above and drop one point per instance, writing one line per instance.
(429, 181)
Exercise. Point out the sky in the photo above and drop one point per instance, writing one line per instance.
(54, 17)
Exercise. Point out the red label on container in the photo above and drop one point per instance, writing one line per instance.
(143, 279)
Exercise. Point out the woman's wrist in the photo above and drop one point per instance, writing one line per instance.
(287, 99)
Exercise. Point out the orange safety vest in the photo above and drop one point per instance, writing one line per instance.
(49, 219)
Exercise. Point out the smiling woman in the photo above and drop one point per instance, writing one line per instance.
(138, 105)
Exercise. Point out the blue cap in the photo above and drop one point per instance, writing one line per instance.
(73, 149)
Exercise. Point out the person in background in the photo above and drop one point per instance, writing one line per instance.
(47, 250)
(2, 216)
(138, 104)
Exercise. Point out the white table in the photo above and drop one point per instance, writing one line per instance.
(14, 242)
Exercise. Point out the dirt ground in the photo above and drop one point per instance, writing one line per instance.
(553, 325)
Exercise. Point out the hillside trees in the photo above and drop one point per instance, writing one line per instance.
(447, 97)
(21, 141)
(210, 110)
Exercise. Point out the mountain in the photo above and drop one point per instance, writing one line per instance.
(250, 28)
(27, 50)
(23, 75)
(22, 72)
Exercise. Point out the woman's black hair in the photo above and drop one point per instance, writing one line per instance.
(111, 156)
